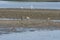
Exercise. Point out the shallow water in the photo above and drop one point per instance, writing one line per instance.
(21, 29)
(55, 20)
(29, 34)
(32, 5)
(35, 35)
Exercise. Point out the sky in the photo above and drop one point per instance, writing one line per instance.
(33, 5)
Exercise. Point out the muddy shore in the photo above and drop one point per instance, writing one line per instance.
(29, 23)
(32, 13)
(37, 14)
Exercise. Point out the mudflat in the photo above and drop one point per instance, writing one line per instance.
(38, 17)
(37, 23)
(32, 13)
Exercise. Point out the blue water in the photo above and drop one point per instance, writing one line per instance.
(29, 34)
(35, 35)
(33, 5)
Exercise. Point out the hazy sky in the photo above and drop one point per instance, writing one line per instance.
(41, 5)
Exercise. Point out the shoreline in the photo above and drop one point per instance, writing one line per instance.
(28, 23)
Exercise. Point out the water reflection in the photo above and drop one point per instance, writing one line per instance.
(17, 29)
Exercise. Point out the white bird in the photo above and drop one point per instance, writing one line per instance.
(48, 18)
(27, 18)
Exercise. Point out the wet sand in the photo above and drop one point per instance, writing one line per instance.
(29, 23)
(34, 13)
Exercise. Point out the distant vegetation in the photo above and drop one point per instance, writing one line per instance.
(35, 0)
